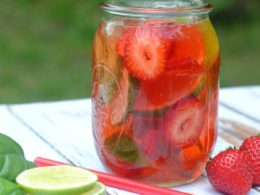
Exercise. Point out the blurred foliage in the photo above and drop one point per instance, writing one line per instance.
(45, 49)
(222, 4)
(45, 46)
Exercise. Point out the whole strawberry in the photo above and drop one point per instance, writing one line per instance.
(231, 172)
(251, 146)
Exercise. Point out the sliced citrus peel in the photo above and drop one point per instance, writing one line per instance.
(123, 98)
(57, 180)
(210, 40)
(98, 189)
(107, 63)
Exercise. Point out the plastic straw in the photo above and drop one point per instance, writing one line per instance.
(119, 182)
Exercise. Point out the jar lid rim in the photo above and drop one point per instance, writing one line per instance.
(119, 9)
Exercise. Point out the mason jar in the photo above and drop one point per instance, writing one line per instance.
(155, 89)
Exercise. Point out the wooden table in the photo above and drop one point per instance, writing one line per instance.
(62, 130)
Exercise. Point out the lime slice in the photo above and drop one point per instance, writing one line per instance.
(98, 189)
(56, 180)
(211, 42)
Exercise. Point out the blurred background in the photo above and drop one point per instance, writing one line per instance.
(45, 46)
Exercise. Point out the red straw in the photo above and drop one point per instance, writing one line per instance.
(119, 182)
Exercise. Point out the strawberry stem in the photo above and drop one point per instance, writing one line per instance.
(231, 148)
(209, 160)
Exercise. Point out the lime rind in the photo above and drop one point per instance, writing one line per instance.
(200, 87)
(56, 180)
(98, 189)
(211, 42)
(123, 99)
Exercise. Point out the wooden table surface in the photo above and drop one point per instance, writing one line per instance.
(62, 130)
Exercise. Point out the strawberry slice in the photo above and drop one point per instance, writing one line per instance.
(149, 135)
(169, 87)
(186, 40)
(121, 44)
(144, 51)
(184, 122)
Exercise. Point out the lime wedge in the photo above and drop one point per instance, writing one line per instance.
(98, 189)
(56, 180)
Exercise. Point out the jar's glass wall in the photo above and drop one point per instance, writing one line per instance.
(155, 94)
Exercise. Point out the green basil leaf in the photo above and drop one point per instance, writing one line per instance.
(12, 165)
(9, 146)
(9, 188)
(30, 164)
(123, 147)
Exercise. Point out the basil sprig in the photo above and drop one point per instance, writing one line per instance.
(9, 188)
(12, 163)
(122, 147)
(9, 146)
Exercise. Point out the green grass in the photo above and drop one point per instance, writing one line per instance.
(45, 50)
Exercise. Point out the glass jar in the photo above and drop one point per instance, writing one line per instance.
(155, 89)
